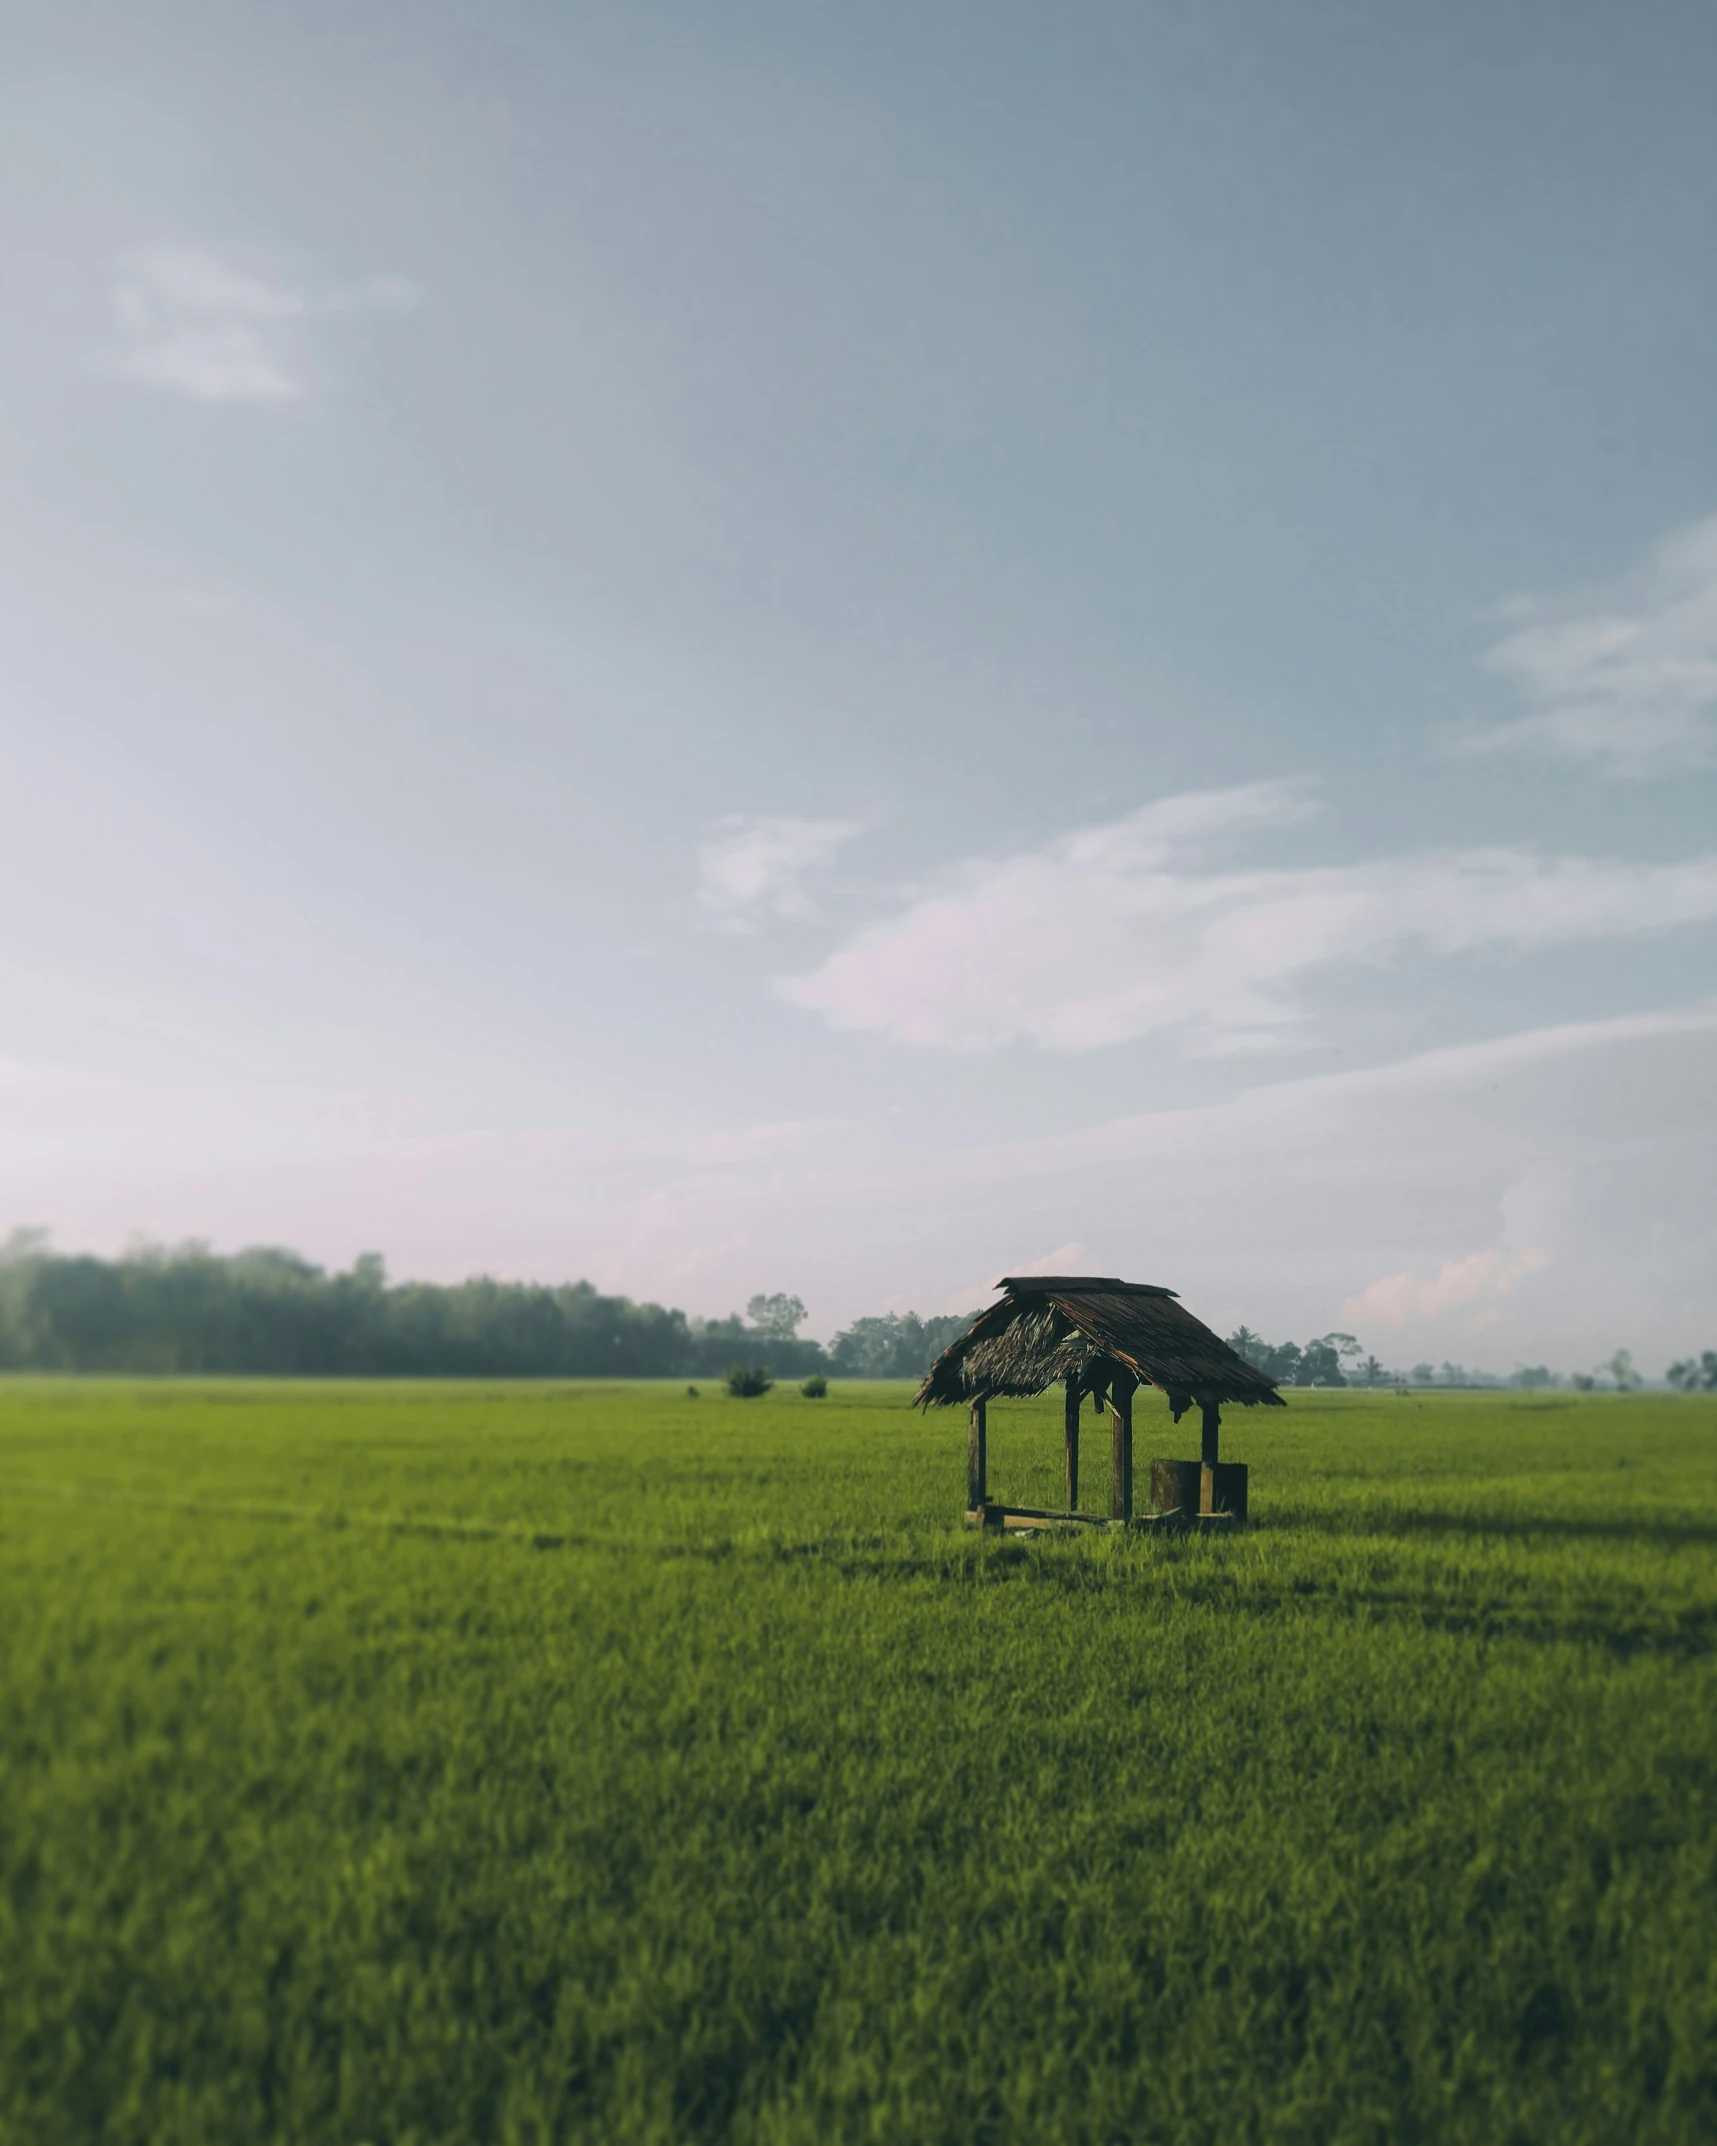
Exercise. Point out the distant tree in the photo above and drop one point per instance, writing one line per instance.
(1582, 1382)
(1532, 1376)
(1423, 1375)
(86, 1315)
(1279, 1361)
(1465, 1376)
(894, 1345)
(1280, 1364)
(1253, 1347)
(1285, 1363)
(771, 1331)
(1320, 1364)
(1695, 1374)
(1371, 1372)
(1621, 1369)
(778, 1317)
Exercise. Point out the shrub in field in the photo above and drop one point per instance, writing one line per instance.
(746, 1381)
(814, 1387)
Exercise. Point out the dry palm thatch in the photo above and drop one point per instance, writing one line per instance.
(1052, 1327)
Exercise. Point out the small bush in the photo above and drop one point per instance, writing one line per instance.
(691, 1393)
(746, 1381)
(814, 1387)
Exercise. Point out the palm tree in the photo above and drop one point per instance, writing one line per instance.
(1248, 1344)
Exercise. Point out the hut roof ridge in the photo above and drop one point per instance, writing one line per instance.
(1088, 1329)
(1080, 1284)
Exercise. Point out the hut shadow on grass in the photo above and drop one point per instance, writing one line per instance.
(1653, 1530)
(1626, 1623)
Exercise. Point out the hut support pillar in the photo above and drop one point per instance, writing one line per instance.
(1212, 1415)
(977, 1460)
(1071, 1418)
(1121, 1428)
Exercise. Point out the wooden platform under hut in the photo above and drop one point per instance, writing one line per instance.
(1101, 1339)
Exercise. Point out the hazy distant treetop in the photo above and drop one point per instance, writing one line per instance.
(778, 1316)
(186, 1308)
(1318, 1363)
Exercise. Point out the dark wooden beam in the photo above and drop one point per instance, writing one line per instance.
(1212, 1415)
(1043, 1515)
(977, 1459)
(1037, 1516)
(1121, 1431)
(1070, 1416)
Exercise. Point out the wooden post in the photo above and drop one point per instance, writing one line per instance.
(1175, 1487)
(977, 1460)
(1212, 1415)
(1121, 1429)
(1071, 1419)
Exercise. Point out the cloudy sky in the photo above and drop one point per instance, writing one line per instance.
(752, 646)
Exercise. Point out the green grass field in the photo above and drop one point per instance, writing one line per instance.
(452, 1762)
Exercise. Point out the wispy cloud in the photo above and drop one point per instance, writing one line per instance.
(1626, 678)
(754, 869)
(192, 322)
(1472, 1286)
(1124, 930)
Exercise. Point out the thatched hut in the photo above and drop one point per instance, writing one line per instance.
(1103, 1339)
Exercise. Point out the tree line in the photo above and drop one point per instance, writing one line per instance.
(1337, 1360)
(267, 1310)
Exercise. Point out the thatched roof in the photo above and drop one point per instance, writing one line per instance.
(1048, 1327)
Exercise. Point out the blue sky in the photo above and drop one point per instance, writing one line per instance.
(755, 647)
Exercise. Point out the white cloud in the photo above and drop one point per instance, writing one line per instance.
(1626, 678)
(190, 322)
(1123, 930)
(1396, 1302)
(756, 868)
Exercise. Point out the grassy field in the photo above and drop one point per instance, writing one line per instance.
(580, 1762)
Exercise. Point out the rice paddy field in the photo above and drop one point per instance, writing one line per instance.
(584, 1762)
